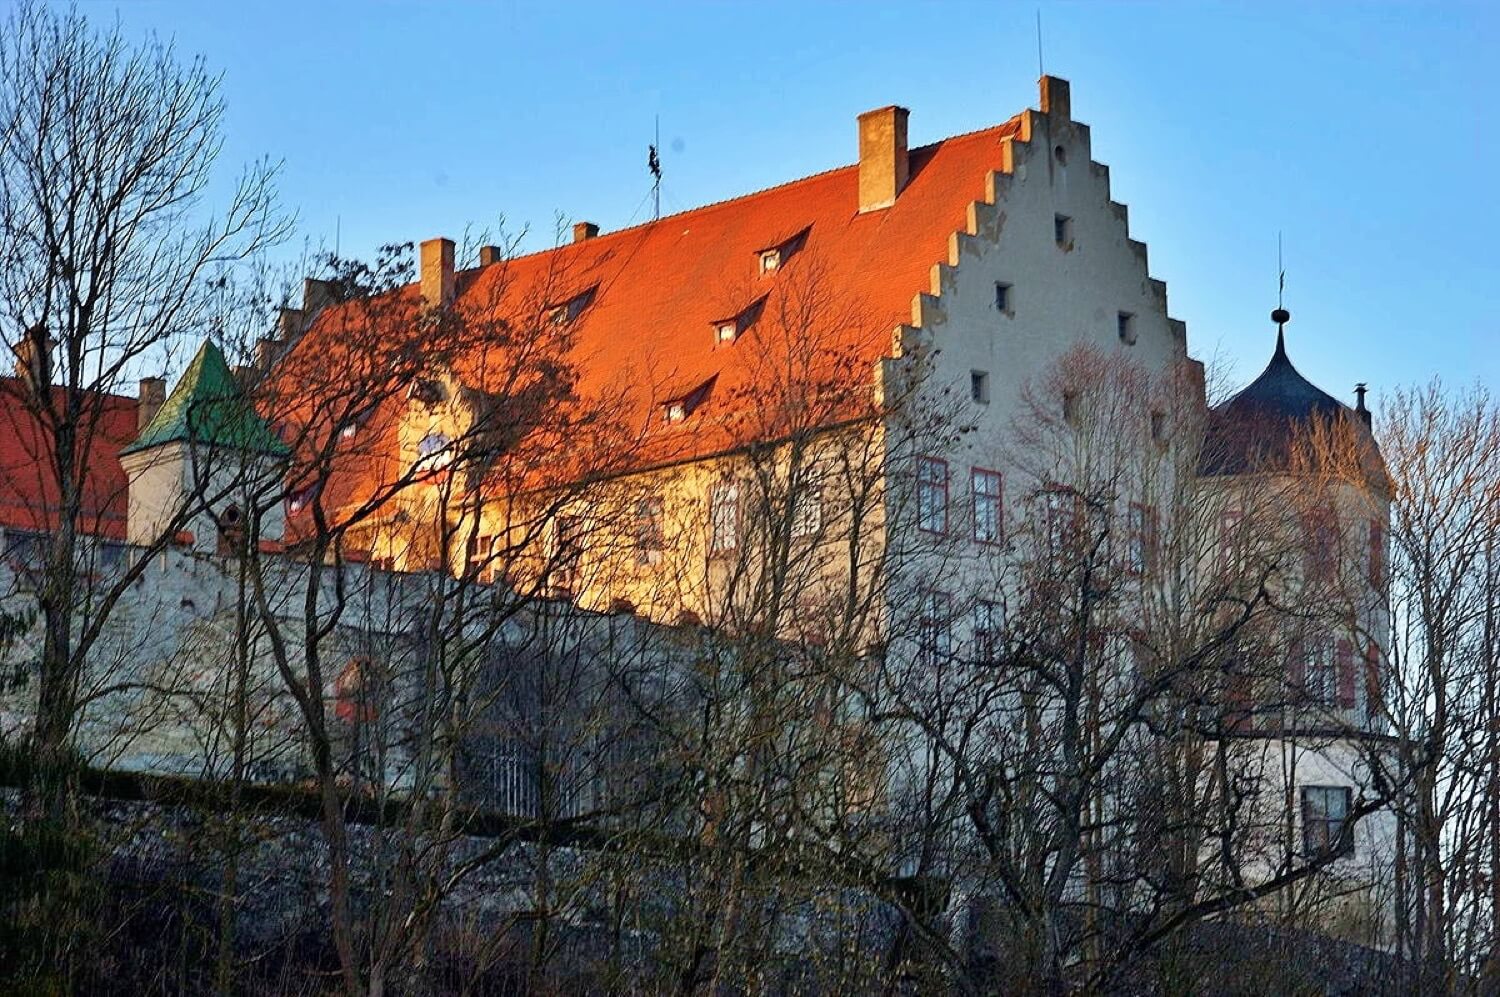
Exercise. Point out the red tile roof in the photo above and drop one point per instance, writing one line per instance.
(28, 489)
(646, 336)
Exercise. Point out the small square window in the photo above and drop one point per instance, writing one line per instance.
(1002, 298)
(979, 386)
(1062, 231)
(1125, 323)
(725, 332)
(770, 261)
(676, 411)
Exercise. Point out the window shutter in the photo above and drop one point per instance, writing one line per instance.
(1373, 697)
(1345, 664)
(1296, 669)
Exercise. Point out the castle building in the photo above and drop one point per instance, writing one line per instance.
(876, 409)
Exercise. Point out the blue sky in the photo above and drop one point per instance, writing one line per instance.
(1367, 133)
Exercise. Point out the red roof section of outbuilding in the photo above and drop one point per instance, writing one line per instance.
(28, 486)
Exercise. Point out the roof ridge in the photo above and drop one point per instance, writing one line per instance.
(1012, 121)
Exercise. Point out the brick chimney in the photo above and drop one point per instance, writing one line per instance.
(489, 255)
(437, 272)
(153, 394)
(583, 231)
(34, 357)
(883, 162)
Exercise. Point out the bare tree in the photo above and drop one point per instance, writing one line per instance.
(106, 149)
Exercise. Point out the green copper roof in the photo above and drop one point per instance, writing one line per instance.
(207, 407)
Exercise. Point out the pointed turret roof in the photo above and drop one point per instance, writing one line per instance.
(207, 407)
(1257, 428)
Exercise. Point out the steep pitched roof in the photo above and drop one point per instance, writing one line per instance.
(208, 407)
(28, 489)
(651, 296)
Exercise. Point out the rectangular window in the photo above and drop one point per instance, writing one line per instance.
(724, 517)
(1324, 811)
(1158, 427)
(567, 553)
(770, 261)
(1374, 698)
(725, 332)
(1062, 230)
(807, 514)
(1070, 407)
(1063, 509)
(1002, 298)
(979, 386)
(989, 627)
(986, 488)
(1141, 539)
(932, 495)
(26, 554)
(650, 535)
(1377, 554)
(934, 629)
(1125, 326)
(1314, 671)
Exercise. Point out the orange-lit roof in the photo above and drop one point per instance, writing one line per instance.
(646, 335)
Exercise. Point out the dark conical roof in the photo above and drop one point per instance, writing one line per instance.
(1254, 430)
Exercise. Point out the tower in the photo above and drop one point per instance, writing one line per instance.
(206, 463)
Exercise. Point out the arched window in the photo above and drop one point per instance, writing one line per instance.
(231, 523)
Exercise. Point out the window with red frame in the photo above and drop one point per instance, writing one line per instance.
(1377, 553)
(1141, 539)
(932, 495)
(987, 489)
(989, 630)
(1313, 674)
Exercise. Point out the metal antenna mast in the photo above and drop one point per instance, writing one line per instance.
(1041, 70)
(653, 163)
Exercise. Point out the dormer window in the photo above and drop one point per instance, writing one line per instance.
(302, 498)
(678, 409)
(427, 391)
(727, 330)
(566, 312)
(773, 258)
